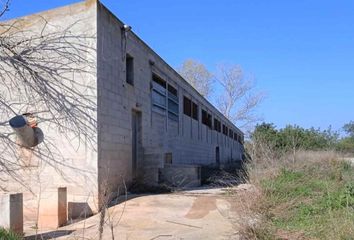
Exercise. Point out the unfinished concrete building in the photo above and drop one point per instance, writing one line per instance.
(141, 120)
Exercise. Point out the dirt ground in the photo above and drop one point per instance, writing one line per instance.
(195, 214)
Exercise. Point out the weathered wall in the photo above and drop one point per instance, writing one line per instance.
(189, 141)
(98, 156)
(68, 155)
(181, 176)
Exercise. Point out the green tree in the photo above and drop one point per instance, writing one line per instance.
(346, 144)
(293, 137)
(266, 132)
(349, 128)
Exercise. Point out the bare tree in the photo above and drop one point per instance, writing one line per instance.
(4, 7)
(38, 74)
(239, 99)
(198, 76)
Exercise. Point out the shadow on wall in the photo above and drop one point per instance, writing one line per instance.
(79, 210)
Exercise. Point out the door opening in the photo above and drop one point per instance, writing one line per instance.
(217, 155)
(136, 140)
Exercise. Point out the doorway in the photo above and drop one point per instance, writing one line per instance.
(136, 140)
(217, 155)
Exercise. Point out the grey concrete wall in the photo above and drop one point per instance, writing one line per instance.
(180, 176)
(189, 141)
(103, 160)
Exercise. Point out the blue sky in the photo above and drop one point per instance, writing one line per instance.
(300, 52)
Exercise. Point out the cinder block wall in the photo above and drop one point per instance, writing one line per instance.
(87, 169)
(74, 162)
(189, 141)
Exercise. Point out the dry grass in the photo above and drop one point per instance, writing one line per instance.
(306, 195)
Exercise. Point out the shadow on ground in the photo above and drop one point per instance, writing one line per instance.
(50, 235)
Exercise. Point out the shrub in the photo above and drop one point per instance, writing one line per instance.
(312, 198)
(8, 235)
(293, 136)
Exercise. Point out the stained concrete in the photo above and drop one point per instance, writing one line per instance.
(196, 214)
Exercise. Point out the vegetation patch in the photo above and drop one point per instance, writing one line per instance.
(8, 235)
(315, 200)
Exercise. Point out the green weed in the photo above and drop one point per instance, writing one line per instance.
(316, 199)
(8, 235)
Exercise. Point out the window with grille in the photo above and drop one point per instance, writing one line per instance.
(158, 94)
(173, 106)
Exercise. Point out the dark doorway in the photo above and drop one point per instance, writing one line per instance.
(217, 155)
(136, 140)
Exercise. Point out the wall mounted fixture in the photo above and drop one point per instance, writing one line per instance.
(26, 129)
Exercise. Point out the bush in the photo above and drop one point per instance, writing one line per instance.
(8, 235)
(312, 198)
(295, 137)
(346, 145)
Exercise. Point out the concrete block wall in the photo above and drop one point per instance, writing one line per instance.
(189, 141)
(73, 163)
(86, 169)
(180, 176)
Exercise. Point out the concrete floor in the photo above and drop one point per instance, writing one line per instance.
(197, 214)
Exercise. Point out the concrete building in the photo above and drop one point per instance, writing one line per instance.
(148, 121)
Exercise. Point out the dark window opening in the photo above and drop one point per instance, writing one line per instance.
(172, 91)
(129, 60)
(206, 119)
(240, 139)
(231, 133)
(159, 81)
(225, 130)
(235, 136)
(210, 122)
(187, 106)
(217, 125)
(168, 158)
(195, 114)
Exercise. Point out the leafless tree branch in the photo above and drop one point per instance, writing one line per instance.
(4, 7)
(39, 73)
(196, 74)
(239, 98)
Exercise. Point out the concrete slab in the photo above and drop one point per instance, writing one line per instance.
(167, 216)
